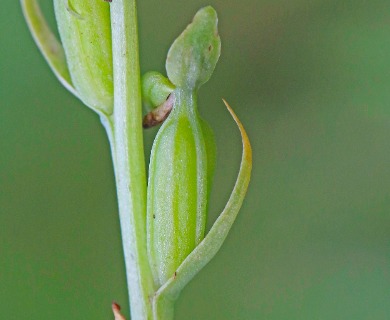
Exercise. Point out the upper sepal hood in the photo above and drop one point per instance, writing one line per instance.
(194, 54)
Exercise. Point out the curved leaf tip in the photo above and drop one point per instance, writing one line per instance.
(247, 149)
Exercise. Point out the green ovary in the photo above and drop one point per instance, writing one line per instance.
(177, 191)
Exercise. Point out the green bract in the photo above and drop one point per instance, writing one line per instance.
(84, 27)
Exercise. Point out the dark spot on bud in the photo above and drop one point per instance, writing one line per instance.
(210, 47)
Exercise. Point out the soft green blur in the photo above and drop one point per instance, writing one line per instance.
(310, 81)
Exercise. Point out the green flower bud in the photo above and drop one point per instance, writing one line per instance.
(84, 27)
(155, 89)
(183, 154)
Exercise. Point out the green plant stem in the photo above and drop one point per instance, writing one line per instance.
(128, 156)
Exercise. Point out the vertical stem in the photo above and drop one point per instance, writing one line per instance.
(128, 156)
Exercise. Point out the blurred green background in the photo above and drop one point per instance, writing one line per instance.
(310, 79)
